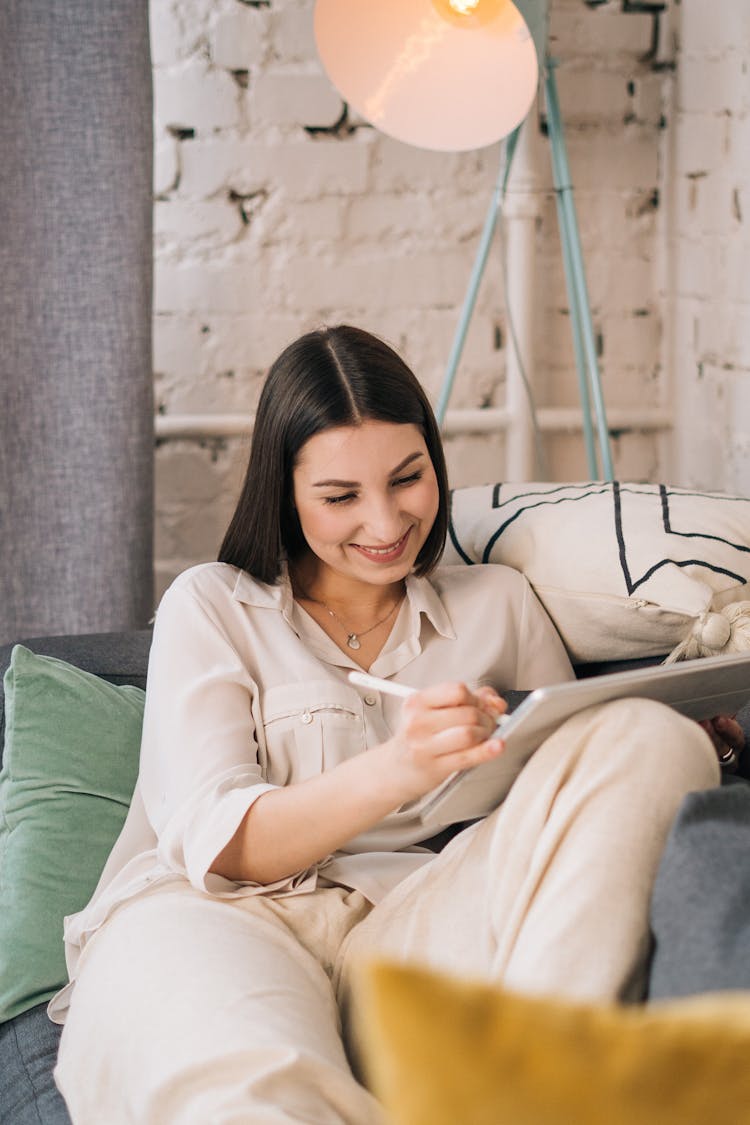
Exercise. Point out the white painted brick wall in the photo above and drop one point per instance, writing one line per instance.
(286, 97)
(197, 95)
(707, 283)
(265, 227)
(239, 39)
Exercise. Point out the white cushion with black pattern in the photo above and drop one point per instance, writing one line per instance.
(625, 570)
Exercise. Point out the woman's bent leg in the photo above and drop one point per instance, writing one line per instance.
(551, 893)
(190, 1010)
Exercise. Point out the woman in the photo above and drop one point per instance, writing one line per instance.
(275, 839)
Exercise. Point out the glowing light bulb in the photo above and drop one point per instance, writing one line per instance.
(463, 7)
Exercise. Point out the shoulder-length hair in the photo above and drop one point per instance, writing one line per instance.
(340, 376)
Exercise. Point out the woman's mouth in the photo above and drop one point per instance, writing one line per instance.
(387, 554)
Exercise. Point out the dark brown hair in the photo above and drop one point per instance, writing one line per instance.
(340, 376)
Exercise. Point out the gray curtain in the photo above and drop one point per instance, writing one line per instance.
(76, 401)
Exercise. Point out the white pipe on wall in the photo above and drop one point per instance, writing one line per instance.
(521, 213)
(551, 419)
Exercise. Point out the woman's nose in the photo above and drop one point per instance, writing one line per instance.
(384, 522)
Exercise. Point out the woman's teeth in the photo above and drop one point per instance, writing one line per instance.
(383, 550)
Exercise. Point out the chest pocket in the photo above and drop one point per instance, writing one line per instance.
(310, 728)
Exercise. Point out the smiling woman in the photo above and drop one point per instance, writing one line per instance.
(361, 529)
(332, 380)
(363, 535)
(276, 835)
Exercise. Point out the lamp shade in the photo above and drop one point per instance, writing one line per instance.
(439, 74)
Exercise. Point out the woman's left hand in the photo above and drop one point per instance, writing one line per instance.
(728, 738)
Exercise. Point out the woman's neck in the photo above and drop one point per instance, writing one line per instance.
(340, 592)
(357, 616)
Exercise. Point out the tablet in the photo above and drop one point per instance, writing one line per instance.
(700, 689)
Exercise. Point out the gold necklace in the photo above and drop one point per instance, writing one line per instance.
(352, 638)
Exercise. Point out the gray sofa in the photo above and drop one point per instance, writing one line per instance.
(701, 909)
(28, 1043)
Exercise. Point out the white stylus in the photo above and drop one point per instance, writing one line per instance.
(388, 687)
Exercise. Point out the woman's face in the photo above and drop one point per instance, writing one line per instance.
(366, 497)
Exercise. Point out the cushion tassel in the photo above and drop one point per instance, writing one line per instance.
(716, 632)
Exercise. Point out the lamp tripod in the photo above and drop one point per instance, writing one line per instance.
(584, 344)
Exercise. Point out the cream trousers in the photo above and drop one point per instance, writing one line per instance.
(191, 1010)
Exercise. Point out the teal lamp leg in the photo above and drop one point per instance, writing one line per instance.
(580, 311)
(480, 262)
(587, 366)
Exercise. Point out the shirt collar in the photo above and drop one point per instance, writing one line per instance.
(422, 595)
(424, 599)
(263, 595)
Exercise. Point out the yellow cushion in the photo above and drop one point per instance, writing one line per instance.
(438, 1051)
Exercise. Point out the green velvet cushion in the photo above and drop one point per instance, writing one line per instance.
(69, 768)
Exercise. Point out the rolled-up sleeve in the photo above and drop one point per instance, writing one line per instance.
(199, 769)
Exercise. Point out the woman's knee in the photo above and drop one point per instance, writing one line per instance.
(648, 736)
(631, 741)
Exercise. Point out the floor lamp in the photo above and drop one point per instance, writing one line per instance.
(454, 75)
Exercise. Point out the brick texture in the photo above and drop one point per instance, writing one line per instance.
(706, 286)
(277, 211)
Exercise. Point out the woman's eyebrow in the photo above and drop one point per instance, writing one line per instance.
(406, 461)
(355, 483)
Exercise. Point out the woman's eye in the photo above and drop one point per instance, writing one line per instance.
(339, 499)
(411, 479)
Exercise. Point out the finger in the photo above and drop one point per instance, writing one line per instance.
(724, 732)
(730, 731)
(453, 694)
(489, 698)
(456, 740)
(431, 722)
(474, 756)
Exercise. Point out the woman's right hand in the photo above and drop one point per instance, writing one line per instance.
(289, 828)
(444, 728)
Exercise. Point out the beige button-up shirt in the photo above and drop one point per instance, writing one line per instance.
(246, 692)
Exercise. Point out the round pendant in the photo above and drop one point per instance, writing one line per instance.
(353, 641)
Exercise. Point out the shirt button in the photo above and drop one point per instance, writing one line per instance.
(371, 700)
(306, 717)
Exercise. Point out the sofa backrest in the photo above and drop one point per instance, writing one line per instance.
(120, 658)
